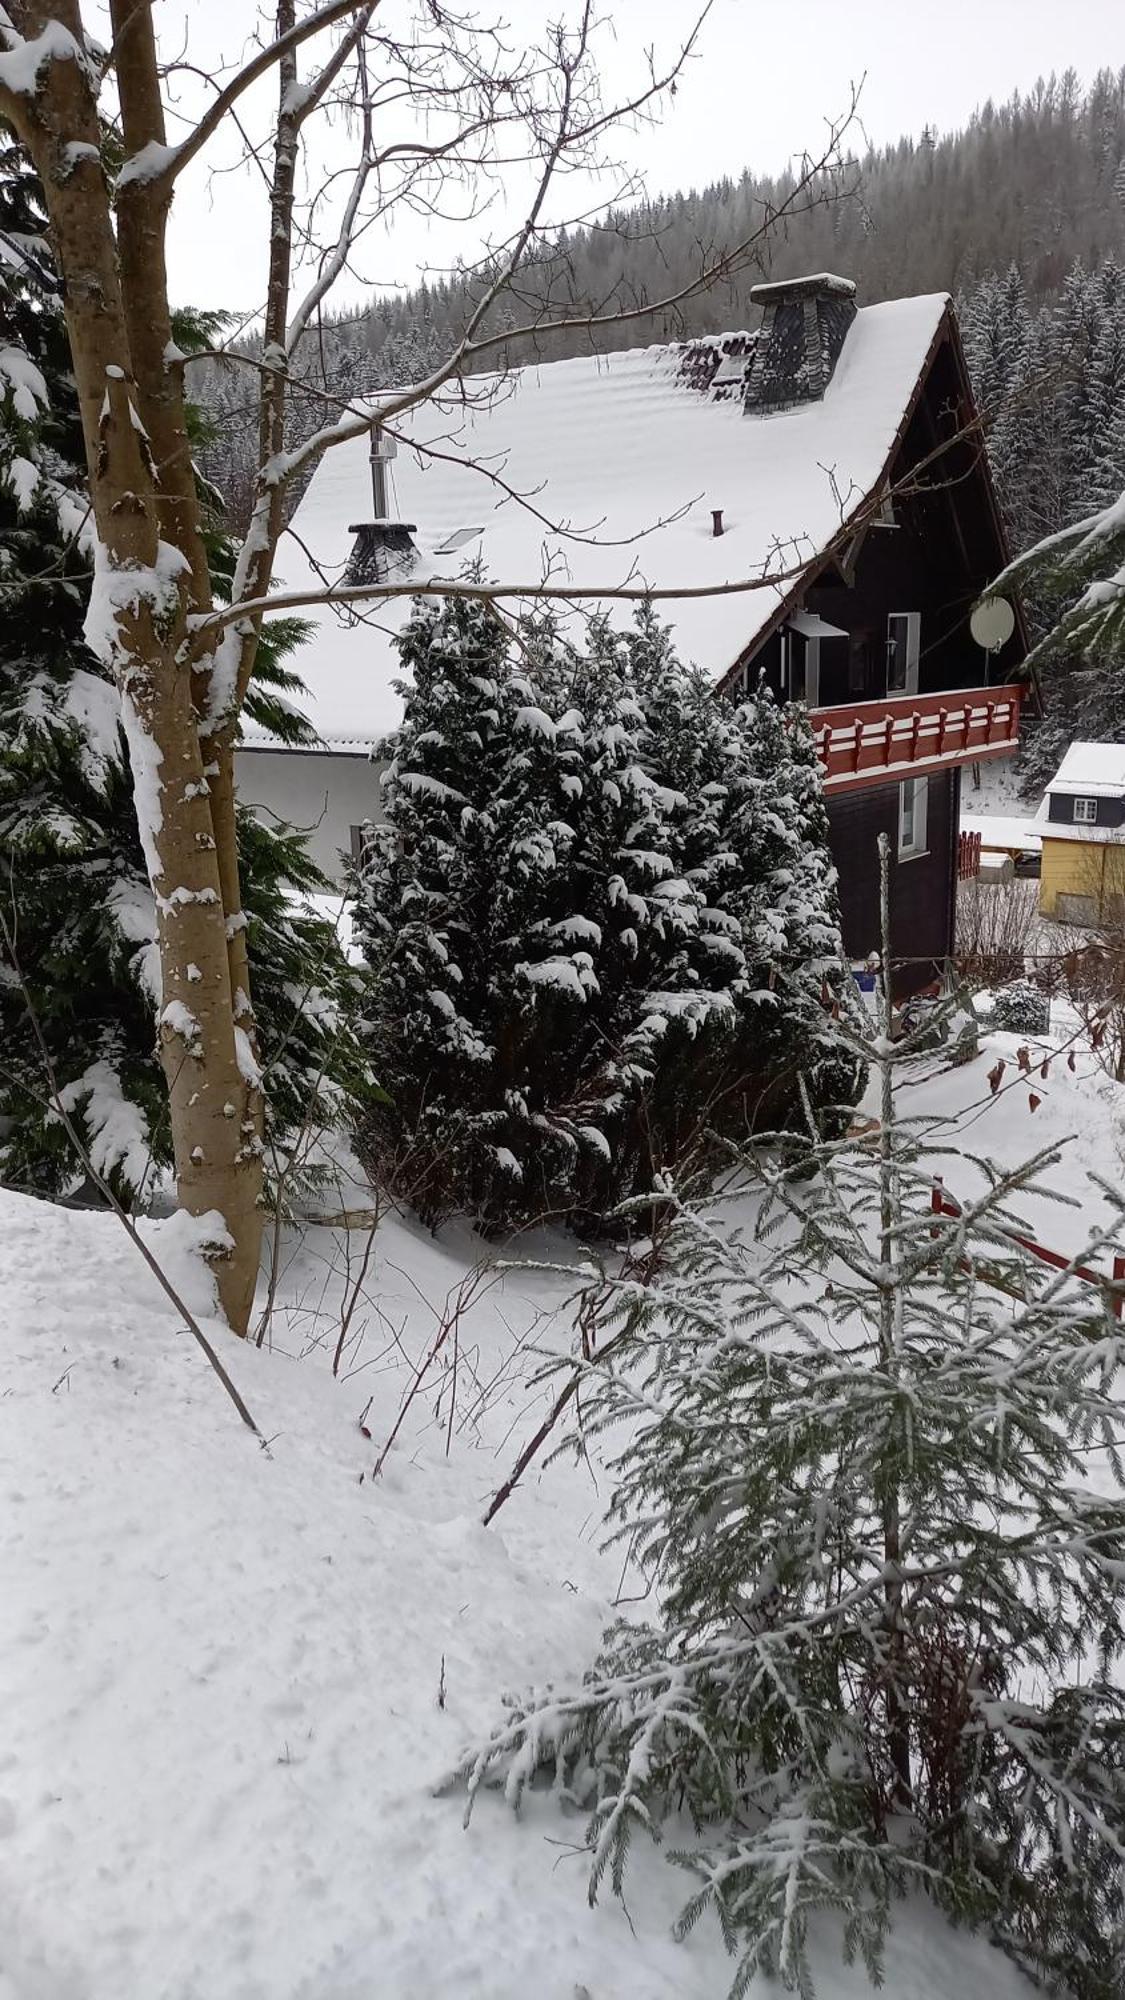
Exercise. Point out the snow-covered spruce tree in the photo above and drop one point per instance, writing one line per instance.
(869, 1457)
(747, 833)
(1057, 449)
(474, 925)
(1082, 570)
(663, 973)
(600, 917)
(76, 893)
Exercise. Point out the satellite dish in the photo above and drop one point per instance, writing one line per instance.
(992, 623)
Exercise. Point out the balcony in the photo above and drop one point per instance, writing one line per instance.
(911, 736)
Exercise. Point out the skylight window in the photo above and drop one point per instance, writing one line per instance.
(457, 541)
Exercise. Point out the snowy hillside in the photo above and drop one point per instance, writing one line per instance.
(232, 1675)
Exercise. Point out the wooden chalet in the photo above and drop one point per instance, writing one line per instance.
(820, 511)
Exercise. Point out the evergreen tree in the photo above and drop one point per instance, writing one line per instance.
(749, 836)
(855, 1453)
(470, 860)
(76, 893)
(995, 328)
(1057, 448)
(1082, 568)
(599, 918)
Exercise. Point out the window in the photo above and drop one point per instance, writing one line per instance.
(913, 799)
(1086, 812)
(904, 631)
(804, 674)
(458, 540)
(361, 839)
(859, 661)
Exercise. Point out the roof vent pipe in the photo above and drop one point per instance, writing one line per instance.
(383, 449)
(716, 520)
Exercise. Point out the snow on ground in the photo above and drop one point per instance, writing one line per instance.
(221, 1666)
(997, 793)
(1082, 1112)
(1005, 830)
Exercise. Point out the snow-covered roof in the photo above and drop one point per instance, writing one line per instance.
(1010, 832)
(1091, 770)
(810, 626)
(1077, 830)
(606, 470)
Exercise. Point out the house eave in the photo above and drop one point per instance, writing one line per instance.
(368, 750)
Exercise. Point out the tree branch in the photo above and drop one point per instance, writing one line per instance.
(173, 162)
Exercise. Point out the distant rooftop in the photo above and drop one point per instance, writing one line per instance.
(1091, 770)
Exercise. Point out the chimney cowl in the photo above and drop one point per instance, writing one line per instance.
(820, 284)
(384, 550)
(805, 323)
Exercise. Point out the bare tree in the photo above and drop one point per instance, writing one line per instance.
(434, 104)
(996, 930)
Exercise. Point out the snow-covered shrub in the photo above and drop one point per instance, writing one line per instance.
(76, 894)
(1020, 1009)
(600, 918)
(862, 1465)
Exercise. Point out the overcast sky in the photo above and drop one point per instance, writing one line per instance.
(768, 75)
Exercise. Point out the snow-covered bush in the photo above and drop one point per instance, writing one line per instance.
(601, 920)
(1020, 1009)
(860, 1465)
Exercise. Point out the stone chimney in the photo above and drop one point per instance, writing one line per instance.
(805, 322)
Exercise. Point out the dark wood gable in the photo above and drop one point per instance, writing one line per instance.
(878, 624)
(928, 541)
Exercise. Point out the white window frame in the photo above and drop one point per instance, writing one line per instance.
(913, 651)
(1085, 812)
(910, 847)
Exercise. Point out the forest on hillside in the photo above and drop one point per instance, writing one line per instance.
(1021, 215)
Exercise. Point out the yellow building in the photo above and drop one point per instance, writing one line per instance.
(1082, 825)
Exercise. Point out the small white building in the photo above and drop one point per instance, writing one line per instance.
(328, 791)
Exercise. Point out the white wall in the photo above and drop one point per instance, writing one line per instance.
(322, 792)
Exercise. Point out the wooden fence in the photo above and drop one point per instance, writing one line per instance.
(968, 856)
(942, 1203)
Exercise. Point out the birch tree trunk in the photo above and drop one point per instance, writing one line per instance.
(150, 576)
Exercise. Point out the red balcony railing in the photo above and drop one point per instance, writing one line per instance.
(909, 736)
